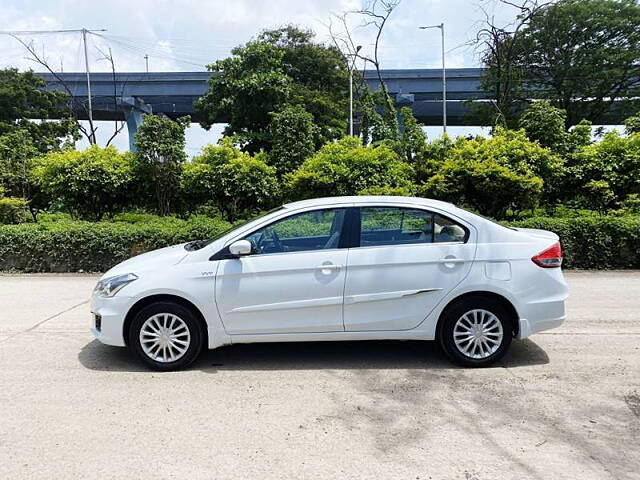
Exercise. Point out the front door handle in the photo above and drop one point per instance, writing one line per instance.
(452, 260)
(328, 268)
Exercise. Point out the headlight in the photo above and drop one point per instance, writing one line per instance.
(108, 287)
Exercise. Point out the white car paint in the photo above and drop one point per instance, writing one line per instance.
(362, 293)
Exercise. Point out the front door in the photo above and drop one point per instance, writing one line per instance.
(408, 259)
(293, 281)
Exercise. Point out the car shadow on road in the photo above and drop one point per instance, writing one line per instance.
(378, 355)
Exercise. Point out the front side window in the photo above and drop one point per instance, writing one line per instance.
(399, 226)
(316, 230)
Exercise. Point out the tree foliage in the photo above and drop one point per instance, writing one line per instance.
(24, 103)
(233, 181)
(582, 55)
(546, 124)
(280, 67)
(348, 168)
(293, 132)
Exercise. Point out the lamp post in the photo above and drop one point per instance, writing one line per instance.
(444, 77)
(353, 63)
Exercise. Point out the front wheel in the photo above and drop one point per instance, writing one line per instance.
(476, 331)
(165, 336)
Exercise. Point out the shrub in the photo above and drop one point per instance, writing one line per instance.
(13, 210)
(234, 181)
(506, 172)
(614, 160)
(594, 242)
(347, 168)
(597, 242)
(71, 246)
(89, 183)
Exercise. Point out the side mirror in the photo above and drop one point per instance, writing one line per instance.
(240, 248)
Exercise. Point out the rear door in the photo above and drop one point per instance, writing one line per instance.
(407, 260)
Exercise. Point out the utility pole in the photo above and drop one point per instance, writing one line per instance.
(444, 77)
(146, 61)
(353, 63)
(16, 33)
(86, 67)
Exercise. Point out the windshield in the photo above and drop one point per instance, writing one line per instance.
(239, 224)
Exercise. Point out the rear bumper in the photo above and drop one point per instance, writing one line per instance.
(542, 316)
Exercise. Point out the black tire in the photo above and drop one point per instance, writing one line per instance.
(196, 335)
(456, 311)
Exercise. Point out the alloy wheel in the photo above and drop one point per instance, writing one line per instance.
(478, 334)
(165, 337)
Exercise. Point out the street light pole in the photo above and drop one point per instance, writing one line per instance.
(444, 77)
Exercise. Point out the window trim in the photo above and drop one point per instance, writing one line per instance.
(345, 233)
(433, 213)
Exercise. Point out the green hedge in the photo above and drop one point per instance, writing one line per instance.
(66, 246)
(602, 242)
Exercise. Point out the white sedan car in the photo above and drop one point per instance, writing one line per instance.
(342, 268)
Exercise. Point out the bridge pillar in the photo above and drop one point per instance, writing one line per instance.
(133, 109)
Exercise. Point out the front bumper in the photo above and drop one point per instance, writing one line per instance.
(112, 312)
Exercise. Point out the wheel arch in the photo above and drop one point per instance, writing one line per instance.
(504, 301)
(143, 302)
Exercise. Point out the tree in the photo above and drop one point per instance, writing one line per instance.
(583, 55)
(281, 67)
(412, 142)
(22, 99)
(374, 16)
(16, 153)
(546, 124)
(292, 131)
(234, 181)
(347, 168)
(90, 183)
(160, 144)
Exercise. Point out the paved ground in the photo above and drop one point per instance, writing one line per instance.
(565, 404)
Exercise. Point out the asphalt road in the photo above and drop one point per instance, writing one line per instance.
(564, 404)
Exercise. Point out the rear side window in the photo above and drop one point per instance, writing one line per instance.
(446, 230)
(401, 226)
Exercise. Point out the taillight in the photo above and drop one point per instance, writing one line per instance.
(549, 258)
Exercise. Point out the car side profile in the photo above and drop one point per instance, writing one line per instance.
(341, 268)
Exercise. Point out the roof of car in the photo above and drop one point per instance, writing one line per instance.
(368, 199)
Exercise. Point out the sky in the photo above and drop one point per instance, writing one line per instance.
(186, 35)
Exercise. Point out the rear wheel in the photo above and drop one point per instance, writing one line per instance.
(476, 331)
(166, 336)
